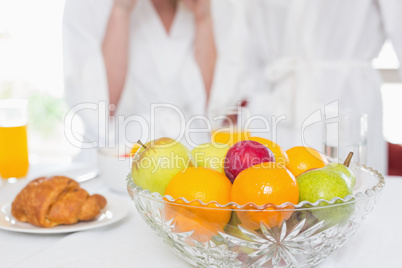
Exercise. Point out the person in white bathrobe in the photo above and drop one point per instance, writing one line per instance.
(132, 58)
(304, 55)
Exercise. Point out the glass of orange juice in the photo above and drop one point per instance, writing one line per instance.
(228, 125)
(13, 138)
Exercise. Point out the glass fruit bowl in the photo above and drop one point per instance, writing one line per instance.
(302, 235)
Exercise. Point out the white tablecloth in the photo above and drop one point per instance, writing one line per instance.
(131, 243)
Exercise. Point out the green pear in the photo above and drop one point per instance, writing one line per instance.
(232, 228)
(300, 215)
(323, 183)
(210, 155)
(155, 165)
(335, 214)
(345, 172)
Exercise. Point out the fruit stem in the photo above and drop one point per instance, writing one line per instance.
(140, 143)
(348, 159)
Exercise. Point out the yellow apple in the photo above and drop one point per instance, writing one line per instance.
(210, 155)
(156, 164)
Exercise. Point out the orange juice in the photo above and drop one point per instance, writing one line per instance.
(13, 152)
(229, 137)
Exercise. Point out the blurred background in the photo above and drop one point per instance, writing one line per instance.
(31, 67)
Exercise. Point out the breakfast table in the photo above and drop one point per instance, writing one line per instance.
(129, 242)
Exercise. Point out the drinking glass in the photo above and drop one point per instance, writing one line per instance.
(344, 134)
(13, 138)
(228, 125)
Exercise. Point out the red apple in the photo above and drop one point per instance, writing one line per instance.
(245, 154)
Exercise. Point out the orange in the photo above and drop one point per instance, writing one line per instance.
(202, 184)
(302, 159)
(280, 155)
(262, 184)
(230, 137)
(135, 148)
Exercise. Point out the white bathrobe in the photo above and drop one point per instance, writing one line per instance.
(304, 55)
(162, 71)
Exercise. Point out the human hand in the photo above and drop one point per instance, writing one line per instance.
(200, 8)
(126, 5)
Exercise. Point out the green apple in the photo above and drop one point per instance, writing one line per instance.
(161, 159)
(144, 146)
(323, 183)
(210, 155)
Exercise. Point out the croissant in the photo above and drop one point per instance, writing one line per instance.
(51, 201)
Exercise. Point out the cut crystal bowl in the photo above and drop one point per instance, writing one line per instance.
(288, 235)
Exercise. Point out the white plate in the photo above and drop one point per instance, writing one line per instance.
(115, 210)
